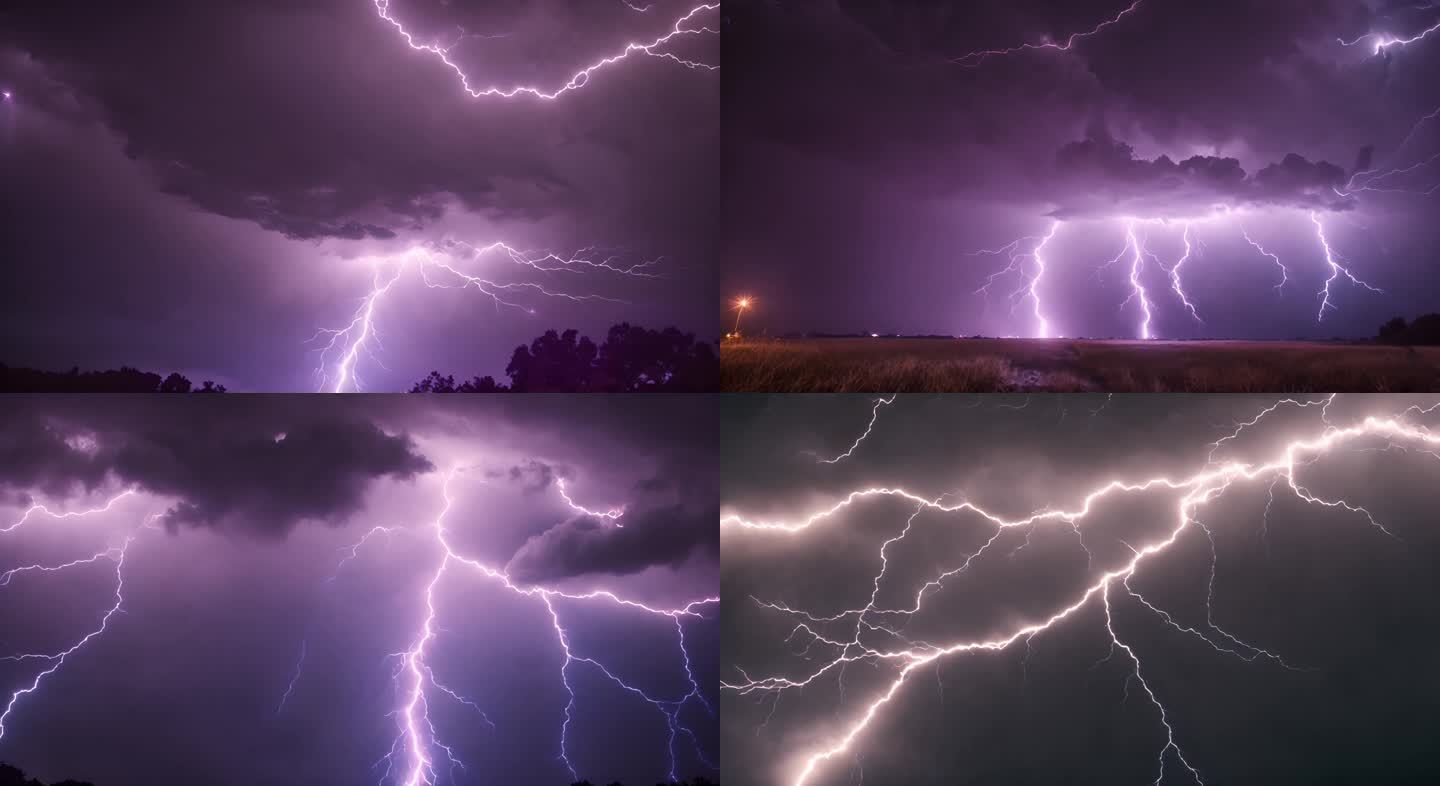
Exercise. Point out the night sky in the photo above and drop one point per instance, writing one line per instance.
(244, 510)
(1349, 609)
(202, 188)
(870, 149)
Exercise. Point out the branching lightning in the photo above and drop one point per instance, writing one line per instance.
(685, 26)
(439, 267)
(419, 756)
(1383, 41)
(1029, 281)
(1025, 263)
(1332, 258)
(53, 662)
(871, 631)
(414, 757)
(1136, 249)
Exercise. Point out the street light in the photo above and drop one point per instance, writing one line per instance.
(740, 305)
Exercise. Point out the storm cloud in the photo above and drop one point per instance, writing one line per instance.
(873, 147)
(1108, 180)
(249, 477)
(233, 167)
(661, 526)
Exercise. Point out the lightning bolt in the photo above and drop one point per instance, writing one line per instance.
(437, 268)
(683, 27)
(612, 514)
(416, 755)
(1336, 269)
(977, 57)
(55, 661)
(418, 745)
(1137, 289)
(874, 415)
(1194, 491)
(1384, 41)
(1029, 283)
(1136, 248)
(1284, 272)
(41, 510)
(1175, 283)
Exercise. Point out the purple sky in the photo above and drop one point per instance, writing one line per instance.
(185, 685)
(203, 190)
(867, 156)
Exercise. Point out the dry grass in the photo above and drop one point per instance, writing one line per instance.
(859, 365)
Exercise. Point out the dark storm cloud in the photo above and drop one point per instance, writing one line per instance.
(261, 474)
(533, 476)
(312, 119)
(1108, 179)
(662, 526)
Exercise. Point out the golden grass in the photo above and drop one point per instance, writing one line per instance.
(859, 365)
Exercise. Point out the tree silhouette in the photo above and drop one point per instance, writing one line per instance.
(631, 359)
(14, 776)
(122, 380)
(697, 781)
(1424, 331)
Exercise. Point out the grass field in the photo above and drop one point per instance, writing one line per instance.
(940, 365)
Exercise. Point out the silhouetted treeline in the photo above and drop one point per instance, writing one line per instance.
(1424, 331)
(122, 380)
(13, 776)
(696, 782)
(630, 359)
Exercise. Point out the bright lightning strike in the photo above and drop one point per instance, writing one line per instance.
(612, 514)
(1029, 282)
(415, 755)
(418, 750)
(440, 268)
(979, 56)
(1028, 267)
(684, 27)
(1195, 491)
(1336, 269)
(53, 662)
(1384, 41)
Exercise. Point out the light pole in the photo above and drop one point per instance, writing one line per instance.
(740, 306)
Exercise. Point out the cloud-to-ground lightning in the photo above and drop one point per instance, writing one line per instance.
(980, 55)
(689, 24)
(1136, 250)
(1332, 258)
(439, 266)
(414, 758)
(866, 626)
(1029, 285)
(1137, 288)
